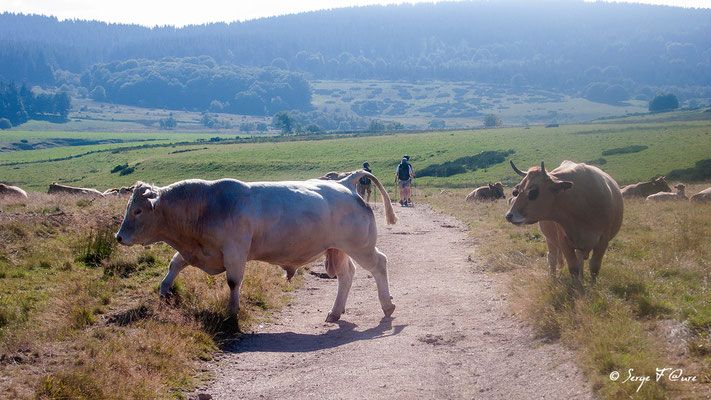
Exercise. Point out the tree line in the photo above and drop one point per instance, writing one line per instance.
(197, 83)
(19, 105)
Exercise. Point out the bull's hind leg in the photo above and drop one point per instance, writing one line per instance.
(176, 265)
(375, 262)
(345, 270)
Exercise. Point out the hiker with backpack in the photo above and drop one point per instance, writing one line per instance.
(364, 183)
(403, 177)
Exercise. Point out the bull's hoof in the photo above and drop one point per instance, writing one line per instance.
(332, 317)
(389, 311)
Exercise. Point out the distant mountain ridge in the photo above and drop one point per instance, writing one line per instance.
(632, 50)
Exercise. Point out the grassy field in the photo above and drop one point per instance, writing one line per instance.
(671, 145)
(459, 104)
(650, 309)
(75, 309)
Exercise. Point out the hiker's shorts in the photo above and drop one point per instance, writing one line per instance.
(403, 184)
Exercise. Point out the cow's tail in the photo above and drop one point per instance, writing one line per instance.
(350, 181)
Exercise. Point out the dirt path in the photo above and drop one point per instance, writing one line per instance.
(451, 336)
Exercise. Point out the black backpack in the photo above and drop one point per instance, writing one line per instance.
(364, 180)
(403, 172)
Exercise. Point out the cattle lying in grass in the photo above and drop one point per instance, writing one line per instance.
(489, 192)
(56, 188)
(119, 191)
(218, 226)
(703, 196)
(664, 196)
(334, 176)
(7, 191)
(644, 189)
(579, 210)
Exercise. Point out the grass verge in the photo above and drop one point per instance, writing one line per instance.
(650, 309)
(80, 317)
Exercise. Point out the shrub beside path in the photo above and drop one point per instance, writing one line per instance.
(451, 336)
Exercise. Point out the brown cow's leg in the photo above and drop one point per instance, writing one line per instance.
(554, 254)
(345, 270)
(596, 262)
(575, 263)
(176, 265)
(376, 263)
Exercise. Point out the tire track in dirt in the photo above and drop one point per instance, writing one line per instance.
(452, 335)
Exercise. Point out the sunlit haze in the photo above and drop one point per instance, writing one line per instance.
(188, 12)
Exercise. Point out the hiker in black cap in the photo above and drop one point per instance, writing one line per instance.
(403, 176)
(364, 183)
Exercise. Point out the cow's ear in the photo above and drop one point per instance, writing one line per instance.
(491, 186)
(561, 186)
(153, 201)
(148, 192)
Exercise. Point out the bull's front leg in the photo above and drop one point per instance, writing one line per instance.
(176, 265)
(234, 259)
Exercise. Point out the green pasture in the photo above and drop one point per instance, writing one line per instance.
(460, 104)
(671, 145)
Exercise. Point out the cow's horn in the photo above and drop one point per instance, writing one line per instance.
(543, 169)
(518, 171)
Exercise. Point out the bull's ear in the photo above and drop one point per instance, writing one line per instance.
(491, 186)
(561, 185)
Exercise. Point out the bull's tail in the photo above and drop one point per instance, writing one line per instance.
(350, 181)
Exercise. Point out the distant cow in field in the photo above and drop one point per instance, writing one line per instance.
(56, 188)
(578, 207)
(664, 196)
(644, 189)
(7, 191)
(218, 226)
(703, 196)
(489, 192)
(119, 191)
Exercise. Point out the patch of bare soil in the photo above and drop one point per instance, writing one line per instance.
(451, 336)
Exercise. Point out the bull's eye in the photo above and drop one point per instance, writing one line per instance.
(532, 194)
(137, 212)
(514, 193)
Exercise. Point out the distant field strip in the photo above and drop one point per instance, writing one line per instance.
(674, 145)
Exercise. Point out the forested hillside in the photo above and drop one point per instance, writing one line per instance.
(198, 83)
(602, 51)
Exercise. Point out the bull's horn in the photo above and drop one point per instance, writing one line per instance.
(543, 169)
(518, 171)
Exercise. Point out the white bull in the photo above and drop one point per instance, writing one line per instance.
(218, 226)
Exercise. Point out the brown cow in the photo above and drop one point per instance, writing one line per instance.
(703, 196)
(644, 189)
(664, 196)
(489, 192)
(581, 209)
(218, 226)
(56, 188)
(7, 191)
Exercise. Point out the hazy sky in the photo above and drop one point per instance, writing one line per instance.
(185, 12)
